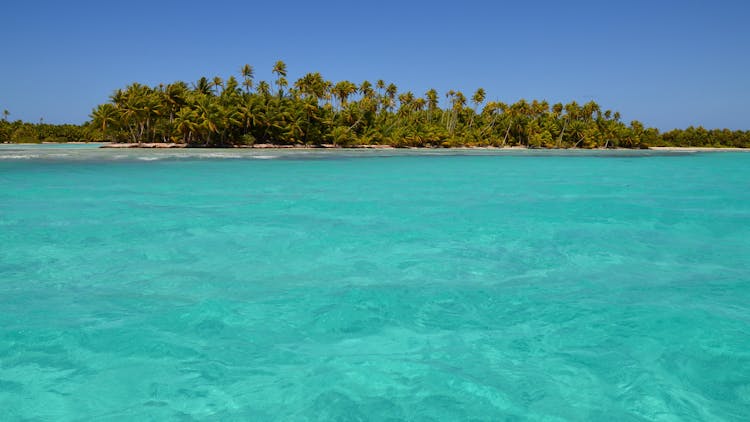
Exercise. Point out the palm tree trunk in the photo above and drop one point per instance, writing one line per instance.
(559, 139)
(507, 131)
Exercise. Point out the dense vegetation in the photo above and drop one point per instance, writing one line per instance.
(313, 111)
(29, 133)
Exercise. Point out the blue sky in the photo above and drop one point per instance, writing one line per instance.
(666, 63)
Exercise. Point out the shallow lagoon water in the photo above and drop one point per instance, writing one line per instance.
(373, 285)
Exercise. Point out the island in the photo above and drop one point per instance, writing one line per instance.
(315, 112)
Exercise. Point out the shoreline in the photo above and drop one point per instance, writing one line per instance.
(331, 146)
(274, 146)
(698, 149)
(162, 145)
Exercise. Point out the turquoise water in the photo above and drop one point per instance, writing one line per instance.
(373, 285)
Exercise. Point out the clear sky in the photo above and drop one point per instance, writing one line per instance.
(666, 63)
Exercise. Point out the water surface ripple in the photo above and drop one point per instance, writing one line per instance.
(373, 285)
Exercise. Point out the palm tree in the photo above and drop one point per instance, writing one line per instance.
(419, 104)
(312, 85)
(203, 86)
(264, 88)
(391, 90)
(491, 110)
(150, 110)
(389, 99)
(477, 98)
(186, 123)
(380, 84)
(135, 105)
(247, 75)
(279, 68)
(231, 88)
(406, 101)
(175, 95)
(589, 109)
(208, 118)
(365, 88)
(103, 116)
(447, 116)
(573, 110)
(6, 113)
(431, 103)
(432, 100)
(577, 131)
(217, 83)
(342, 90)
(458, 101)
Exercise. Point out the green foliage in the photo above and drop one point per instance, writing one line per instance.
(22, 132)
(221, 112)
(700, 137)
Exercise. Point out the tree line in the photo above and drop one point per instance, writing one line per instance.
(313, 111)
(31, 133)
